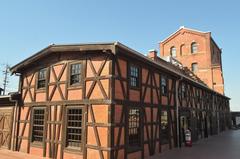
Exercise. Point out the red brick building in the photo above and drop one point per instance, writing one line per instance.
(198, 51)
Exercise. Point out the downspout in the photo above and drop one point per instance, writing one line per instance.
(177, 110)
(214, 112)
(16, 116)
(14, 123)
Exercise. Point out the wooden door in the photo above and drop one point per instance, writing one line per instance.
(5, 127)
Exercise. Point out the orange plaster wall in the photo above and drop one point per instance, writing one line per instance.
(40, 97)
(97, 93)
(122, 67)
(118, 89)
(164, 100)
(144, 75)
(23, 147)
(156, 95)
(75, 94)
(147, 98)
(97, 62)
(134, 95)
(118, 113)
(118, 133)
(100, 113)
(103, 134)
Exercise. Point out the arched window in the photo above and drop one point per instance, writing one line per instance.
(182, 49)
(193, 47)
(173, 51)
(194, 67)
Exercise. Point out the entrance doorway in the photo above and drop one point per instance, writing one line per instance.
(184, 124)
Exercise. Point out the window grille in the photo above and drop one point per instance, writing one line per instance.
(134, 76)
(194, 67)
(42, 75)
(134, 134)
(173, 52)
(194, 47)
(164, 127)
(75, 74)
(74, 128)
(183, 91)
(164, 86)
(38, 125)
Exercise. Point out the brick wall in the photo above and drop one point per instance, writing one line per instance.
(207, 56)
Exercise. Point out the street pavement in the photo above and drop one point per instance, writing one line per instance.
(223, 146)
(226, 145)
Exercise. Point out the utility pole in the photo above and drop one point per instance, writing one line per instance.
(6, 73)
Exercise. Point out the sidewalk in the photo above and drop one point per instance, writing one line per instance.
(223, 146)
(7, 154)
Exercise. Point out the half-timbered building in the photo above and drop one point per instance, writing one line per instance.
(108, 101)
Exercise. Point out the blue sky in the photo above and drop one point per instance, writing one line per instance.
(28, 26)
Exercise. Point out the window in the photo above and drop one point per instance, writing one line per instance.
(38, 124)
(184, 92)
(164, 127)
(164, 85)
(42, 76)
(182, 49)
(198, 94)
(173, 51)
(74, 128)
(134, 76)
(75, 74)
(134, 133)
(194, 67)
(193, 47)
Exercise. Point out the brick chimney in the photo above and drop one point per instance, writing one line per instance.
(152, 54)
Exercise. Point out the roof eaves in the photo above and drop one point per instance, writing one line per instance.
(216, 44)
(90, 43)
(170, 35)
(47, 49)
(13, 69)
(182, 27)
(5, 96)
